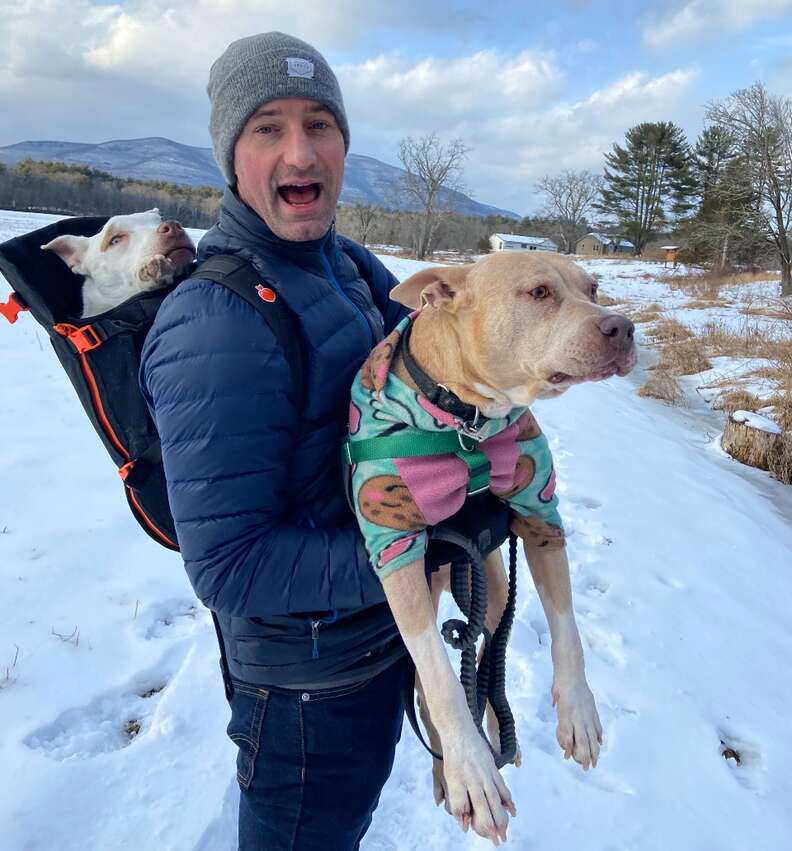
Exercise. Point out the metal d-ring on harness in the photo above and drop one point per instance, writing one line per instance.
(468, 572)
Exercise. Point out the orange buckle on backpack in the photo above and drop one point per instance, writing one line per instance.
(126, 470)
(12, 308)
(83, 339)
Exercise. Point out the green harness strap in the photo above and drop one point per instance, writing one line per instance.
(413, 445)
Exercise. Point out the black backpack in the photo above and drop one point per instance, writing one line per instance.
(101, 354)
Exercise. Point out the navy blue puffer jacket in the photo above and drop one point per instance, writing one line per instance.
(267, 537)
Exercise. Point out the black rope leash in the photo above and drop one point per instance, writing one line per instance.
(469, 588)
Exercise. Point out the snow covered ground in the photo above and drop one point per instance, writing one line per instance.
(112, 711)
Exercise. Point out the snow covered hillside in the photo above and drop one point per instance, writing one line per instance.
(112, 714)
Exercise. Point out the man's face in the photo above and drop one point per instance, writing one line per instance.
(289, 164)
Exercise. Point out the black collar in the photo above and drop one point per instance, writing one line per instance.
(437, 394)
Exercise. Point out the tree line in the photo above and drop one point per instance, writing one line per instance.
(50, 187)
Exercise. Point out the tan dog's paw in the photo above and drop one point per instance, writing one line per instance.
(386, 501)
(579, 730)
(157, 272)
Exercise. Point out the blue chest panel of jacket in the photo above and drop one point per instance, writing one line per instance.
(266, 534)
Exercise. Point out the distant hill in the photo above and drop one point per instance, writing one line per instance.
(366, 180)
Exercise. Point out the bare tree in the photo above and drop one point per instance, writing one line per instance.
(761, 126)
(569, 200)
(364, 216)
(431, 168)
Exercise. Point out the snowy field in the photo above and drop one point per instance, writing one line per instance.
(682, 586)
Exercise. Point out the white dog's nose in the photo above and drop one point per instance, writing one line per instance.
(169, 227)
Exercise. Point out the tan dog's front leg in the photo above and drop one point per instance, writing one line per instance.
(476, 792)
(579, 730)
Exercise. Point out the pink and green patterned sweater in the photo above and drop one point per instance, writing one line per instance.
(396, 499)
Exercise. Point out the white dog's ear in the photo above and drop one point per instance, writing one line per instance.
(70, 249)
(442, 288)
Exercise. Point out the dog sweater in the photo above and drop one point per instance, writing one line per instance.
(396, 499)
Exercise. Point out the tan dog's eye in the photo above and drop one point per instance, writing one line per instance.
(540, 292)
(594, 289)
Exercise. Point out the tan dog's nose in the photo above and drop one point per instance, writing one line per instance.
(619, 329)
(169, 228)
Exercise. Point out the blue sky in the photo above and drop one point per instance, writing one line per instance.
(531, 91)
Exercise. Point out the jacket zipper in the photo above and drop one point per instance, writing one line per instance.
(315, 624)
(333, 280)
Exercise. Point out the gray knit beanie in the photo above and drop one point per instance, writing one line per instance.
(258, 69)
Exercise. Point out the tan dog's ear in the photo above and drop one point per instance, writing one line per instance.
(441, 287)
(70, 249)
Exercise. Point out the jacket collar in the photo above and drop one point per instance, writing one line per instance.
(239, 221)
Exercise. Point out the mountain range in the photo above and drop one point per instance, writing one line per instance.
(366, 180)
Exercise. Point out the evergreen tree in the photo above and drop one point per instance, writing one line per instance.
(724, 229)
(648, 179)
(714, 150)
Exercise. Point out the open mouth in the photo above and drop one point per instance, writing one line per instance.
(300, 195)
(181, 254)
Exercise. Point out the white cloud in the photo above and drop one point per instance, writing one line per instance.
(697, 20)
(437, 93)
(516, 135)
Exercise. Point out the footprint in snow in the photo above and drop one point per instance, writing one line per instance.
(585, 501)
(669, 581)
(609, 646)
(170, 619)
(595, 587)
(743, 757)
(108, 723)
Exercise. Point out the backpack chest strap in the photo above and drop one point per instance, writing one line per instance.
(425, 444)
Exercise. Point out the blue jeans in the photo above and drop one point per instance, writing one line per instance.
(311, 765)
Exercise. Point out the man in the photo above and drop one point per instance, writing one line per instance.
(267, 538)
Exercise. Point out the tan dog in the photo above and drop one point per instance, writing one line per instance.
(501, 333)
(132, 254)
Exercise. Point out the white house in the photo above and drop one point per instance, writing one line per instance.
(515, 242)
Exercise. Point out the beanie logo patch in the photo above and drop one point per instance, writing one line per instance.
(296, 67)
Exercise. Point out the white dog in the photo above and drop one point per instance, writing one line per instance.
(130, 255)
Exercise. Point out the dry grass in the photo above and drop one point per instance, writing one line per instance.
(663, 386)
(642, 313)
(607, 301)
(709, 284)
(666, 330)
(686, 357)
(749, 341)
(706, 303)
(776, 308)
(738, 400)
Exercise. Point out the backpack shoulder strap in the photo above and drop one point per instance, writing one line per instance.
(240, 277)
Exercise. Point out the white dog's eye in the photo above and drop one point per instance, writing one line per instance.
(116, 239)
